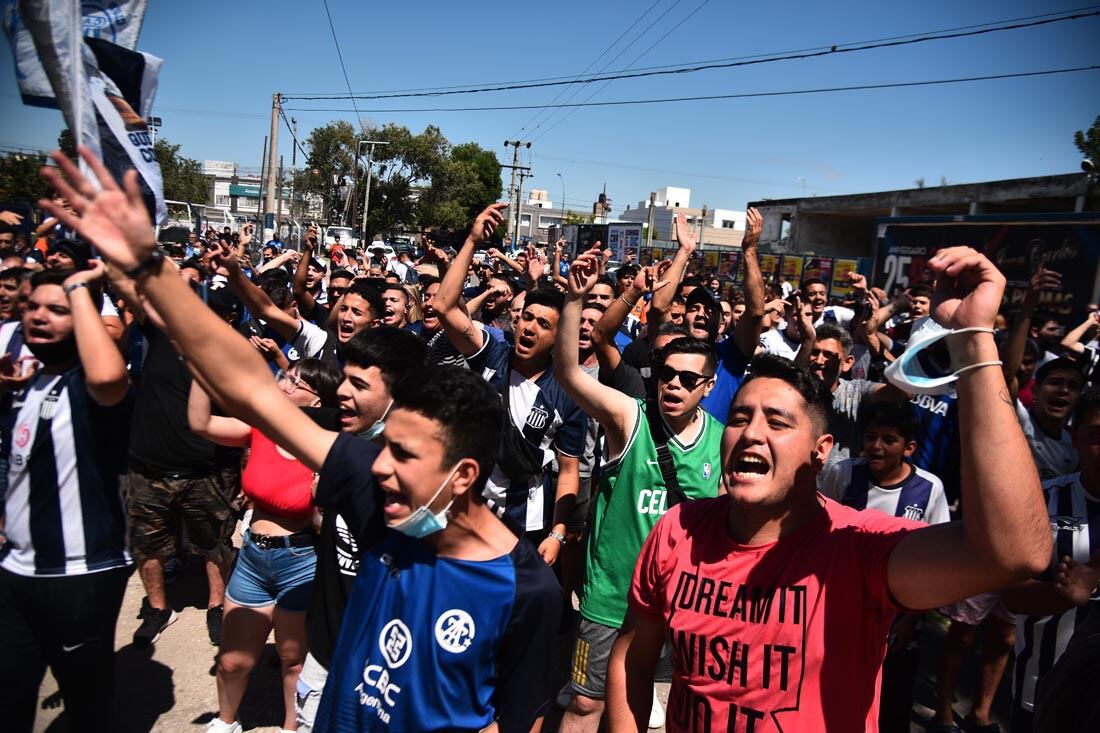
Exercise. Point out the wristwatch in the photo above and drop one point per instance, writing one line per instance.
(559, 537)
(151, 263)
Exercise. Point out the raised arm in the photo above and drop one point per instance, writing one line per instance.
(104, 368)
(256, 300)
(306, 301)
(462, 332)
(747, 332)
(613, 410)
(277, 262)
(1014, 349)
(117, 223)
(1005, 537)
(675, 273)
(1072, 341)
(496, 254)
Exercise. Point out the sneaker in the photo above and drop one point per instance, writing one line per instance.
(172, 569)
(217, 725)
(656, 712)
(214, 618)
(154, 622)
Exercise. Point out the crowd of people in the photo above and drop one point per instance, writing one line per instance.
(409, 469)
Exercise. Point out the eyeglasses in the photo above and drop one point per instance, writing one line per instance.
(296, 383)
(689, 380)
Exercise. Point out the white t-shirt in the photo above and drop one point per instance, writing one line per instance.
(1053, 457)
(776, 342)
(837, 314)
(310, 339)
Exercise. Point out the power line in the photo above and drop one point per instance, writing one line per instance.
(623, 50)
(593, 62)
(343, 68)
(746, 95)
(948, 34)
(599, 89)
(293, 137)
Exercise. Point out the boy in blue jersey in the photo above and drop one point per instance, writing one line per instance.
(450, 623)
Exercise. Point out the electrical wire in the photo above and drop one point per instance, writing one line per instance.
(293, 137)
(949, 34)
(746, 95)
(600, 88)
(343, 68)
(592, 63)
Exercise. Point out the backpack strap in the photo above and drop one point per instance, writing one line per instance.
(664, 457)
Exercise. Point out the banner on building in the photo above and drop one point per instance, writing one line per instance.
(842, 286)
(820, 267)
(729, 265)
(623, 239)
(791, 269)
(1069, 244)
(104, 90)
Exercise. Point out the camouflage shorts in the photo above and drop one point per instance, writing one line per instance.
(206, 507)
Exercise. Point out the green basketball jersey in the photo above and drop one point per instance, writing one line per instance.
(630, 499)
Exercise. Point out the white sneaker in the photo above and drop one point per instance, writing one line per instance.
(657, 712)
(217, 725)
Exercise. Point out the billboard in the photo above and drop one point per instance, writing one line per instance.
(1068, 243)
(624, 238)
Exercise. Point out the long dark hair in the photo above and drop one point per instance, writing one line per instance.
(324, 379)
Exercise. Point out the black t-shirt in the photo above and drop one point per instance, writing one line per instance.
(347, 495)
(161, 441)
(625, 379)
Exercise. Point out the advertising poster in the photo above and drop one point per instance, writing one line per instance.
(821, 267)
(841, 269)
(1072, 248)
(729, 264)
(769, 266)
(710, 261)
(792, 269)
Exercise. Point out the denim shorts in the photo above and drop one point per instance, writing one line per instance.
(281, 575)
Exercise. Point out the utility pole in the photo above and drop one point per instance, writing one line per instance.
(649, 224)
(293, 165)
(363, 241)
(260, 210)
(702, 226)
(523, 174)
(272, 152)
(513, 195)
(279, 213)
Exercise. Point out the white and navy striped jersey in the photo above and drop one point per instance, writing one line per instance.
(919, 497)
(548, 419)
(63, 508)
(1040, 640)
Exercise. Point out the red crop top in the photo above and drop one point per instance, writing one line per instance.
(276, 484)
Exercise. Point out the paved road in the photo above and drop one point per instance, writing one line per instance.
(171, 688)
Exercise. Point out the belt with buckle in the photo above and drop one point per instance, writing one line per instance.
(302, 538)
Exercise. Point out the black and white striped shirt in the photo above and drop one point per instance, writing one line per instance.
(63, 508)
(1040, 640)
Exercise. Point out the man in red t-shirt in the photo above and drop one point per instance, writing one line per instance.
(749, 588)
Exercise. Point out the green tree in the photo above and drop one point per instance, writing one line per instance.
(1088, 142)
(20, 179)
(66, 144)
(331, 153)
(183, 178)
(572, 217)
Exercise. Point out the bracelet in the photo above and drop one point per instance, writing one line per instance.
(75, 286)
(996, 362)
(154, 260)
(632, 305)
(559, 537)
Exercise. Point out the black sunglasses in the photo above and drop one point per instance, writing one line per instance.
(689, 380)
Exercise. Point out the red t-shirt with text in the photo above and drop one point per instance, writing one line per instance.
(785, 636)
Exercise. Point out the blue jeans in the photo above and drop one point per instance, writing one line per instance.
(279, 575)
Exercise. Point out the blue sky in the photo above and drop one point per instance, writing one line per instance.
(223, 60)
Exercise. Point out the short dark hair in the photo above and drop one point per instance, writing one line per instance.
(58, 277)
(549, 297)
(322, 376)
(819, 401)
(392, 350)
(369, 293)
(833, 331)
(592, 304)
(276, 289)
(630, 271)
(920, 290)
(1060, 364)
(346, 274)
(896, 415)
(468, 410)
(1087, 403)
(812, 281)
(670, 328)
(426, 280)
(691, 345)
(15, 273)
(194, 263)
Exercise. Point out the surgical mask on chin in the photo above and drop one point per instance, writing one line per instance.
(422, 522)
(925, 365)
(379, 425)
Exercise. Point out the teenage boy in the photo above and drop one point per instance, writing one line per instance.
(452, 618)
(540, 410)
(752, 587)
(635, 489)
(1051, 606)
(64, 561)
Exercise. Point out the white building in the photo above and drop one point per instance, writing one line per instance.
(721, 227)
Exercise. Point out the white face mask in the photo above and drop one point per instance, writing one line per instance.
(422, 522)
(923, 370)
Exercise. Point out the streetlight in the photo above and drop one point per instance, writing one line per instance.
(562, 222)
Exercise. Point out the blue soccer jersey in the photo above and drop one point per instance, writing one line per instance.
(430, 643)
(727, 380)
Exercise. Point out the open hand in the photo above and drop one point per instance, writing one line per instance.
(754, 222)
(685, 234)
(584, 273)
(487, 222)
